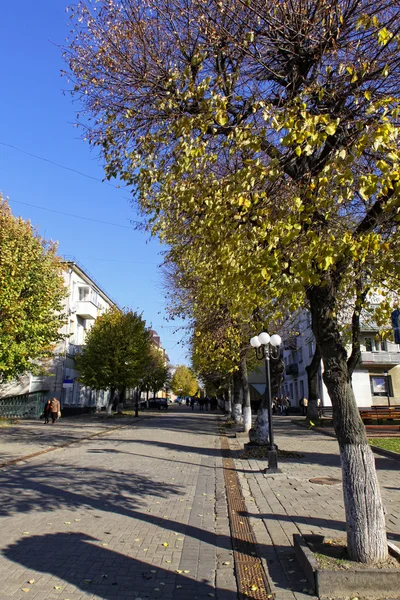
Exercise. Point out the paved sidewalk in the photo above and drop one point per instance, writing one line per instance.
(288, 503)
(31, 436)
(137, 513)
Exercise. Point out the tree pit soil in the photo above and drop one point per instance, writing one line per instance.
(261, 452)
(332, 555)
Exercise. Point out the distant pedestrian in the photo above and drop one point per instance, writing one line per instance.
(304, 406)
(287, 405)
(214, 403)
(55, 410)
(47, 411)
(192, 401)
(187, 401)
(201, 403)
(281, 404)
(207, 403)
(274, 404)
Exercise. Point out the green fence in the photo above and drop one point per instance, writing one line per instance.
(27, 406)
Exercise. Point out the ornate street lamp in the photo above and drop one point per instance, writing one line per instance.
(267, 347)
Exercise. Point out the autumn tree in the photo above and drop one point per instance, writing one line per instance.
(157, 374)
(32, 291)
(301, 99)
(116, 353)
(184, 382)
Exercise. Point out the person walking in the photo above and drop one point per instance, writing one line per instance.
(287, 405)
(305, 406)
(281, 404)
(192, 401)
(55, 410)
(47, 411)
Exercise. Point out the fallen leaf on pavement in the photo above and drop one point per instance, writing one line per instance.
(179, 587)
(25, 533)
(57, 587)
(178, 571)
(165, 544)
(31, 581)
(186, 571)
(226, 562)
(25, 589)
(67, 522)
(87, 580)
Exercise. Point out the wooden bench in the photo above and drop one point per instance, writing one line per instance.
(380, 416)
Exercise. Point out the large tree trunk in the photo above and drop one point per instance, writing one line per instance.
(365, 521)
(227, 403)
(246, 393)
(237, 399)
(312, 380)
(110, 401)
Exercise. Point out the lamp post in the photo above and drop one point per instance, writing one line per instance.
(267, 347)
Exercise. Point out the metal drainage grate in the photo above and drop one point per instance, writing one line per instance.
(251, 577)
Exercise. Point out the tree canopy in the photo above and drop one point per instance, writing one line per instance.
(263, 135)
(184, 382)
(157, 374)
(32, 291)
(116, 351)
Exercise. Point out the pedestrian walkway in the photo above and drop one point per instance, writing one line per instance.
(140, 512)
(289, 502)
(137, 513)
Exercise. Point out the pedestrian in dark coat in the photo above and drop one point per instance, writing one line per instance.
(47, 411)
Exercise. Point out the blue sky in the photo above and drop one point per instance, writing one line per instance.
(37, 116)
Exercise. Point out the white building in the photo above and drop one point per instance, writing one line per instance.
(375, 380)
(85, 302)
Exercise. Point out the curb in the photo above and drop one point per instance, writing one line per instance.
(384, 452)
(14, 461)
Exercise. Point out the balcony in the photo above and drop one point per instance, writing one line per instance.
(292, 369)
(86, 309)
(74, 349)
(379, 358)
(290, 343)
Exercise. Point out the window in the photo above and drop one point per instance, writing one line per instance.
(84, 294)
(381, 385)
(368, 344)
(300, 355)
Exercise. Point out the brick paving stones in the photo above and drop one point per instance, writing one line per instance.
(137, 513)
(288, 503)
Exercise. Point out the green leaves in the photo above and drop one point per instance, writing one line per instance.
(116, 351)
(32, 292)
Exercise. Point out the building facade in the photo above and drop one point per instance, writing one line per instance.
(375, 380)
(85, 302)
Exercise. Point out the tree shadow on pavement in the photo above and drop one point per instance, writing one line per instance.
(51, 486)
(78, 561)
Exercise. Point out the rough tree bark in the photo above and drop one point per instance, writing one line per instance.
(237, 399)
(246, 393)
(227, 403)
(312, 380)
(365, 521)
(259, 433)
(110, 401)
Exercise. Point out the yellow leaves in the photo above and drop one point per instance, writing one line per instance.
(384, 36)
(331, 128)
(165, 544)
